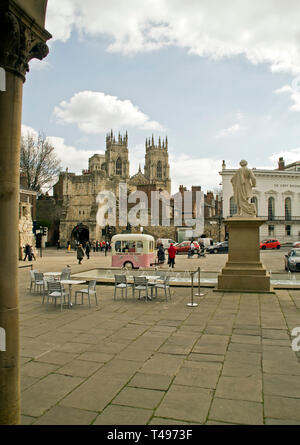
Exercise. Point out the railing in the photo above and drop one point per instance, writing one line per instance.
(280, 218)
(28, 265)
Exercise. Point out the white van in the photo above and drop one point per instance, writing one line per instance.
(166, 242)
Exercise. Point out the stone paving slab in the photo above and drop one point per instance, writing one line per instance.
(227, 361)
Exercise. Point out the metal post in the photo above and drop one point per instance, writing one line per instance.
(199, 294)
(192, 304)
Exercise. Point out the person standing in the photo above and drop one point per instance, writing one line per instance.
(80, 253)
(87, 250)
(172, 254)
(161, 254)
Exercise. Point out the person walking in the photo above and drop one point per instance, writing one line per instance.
(27, 252)
(87, 250)
(32, 254)
(80, 253)
(172, 254)
(161, 254)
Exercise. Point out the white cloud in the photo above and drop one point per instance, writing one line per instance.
(231, 131)
(95, 112)
(74, 158)
(265, 32)
(294, 95)
(289, 156)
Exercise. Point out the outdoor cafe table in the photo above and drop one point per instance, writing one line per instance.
(70, 282)
(150, 278)
(52, 274)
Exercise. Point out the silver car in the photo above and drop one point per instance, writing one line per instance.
(292, 260)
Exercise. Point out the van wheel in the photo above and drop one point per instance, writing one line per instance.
(278, 247)
(128, 265)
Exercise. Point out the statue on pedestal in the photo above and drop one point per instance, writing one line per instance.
(242, 183)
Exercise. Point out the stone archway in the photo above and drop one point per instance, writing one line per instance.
(80, 234)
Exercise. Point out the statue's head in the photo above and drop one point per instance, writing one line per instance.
(243, 163)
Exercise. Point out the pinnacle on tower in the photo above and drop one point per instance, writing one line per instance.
(159, 142)
(166, 143)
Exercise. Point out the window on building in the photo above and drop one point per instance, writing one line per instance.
(159, 170)
(288, 209)
(254, 201)
(271, 208)
(119, 167)
(233, 206)
(271, 231)
(288, 230)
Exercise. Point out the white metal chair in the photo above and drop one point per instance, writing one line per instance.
(39, 282)
(122, 283)
(165, 285)
(141, 284)
(90, 290)
(32, 278)
(46, 281)
(55, 291)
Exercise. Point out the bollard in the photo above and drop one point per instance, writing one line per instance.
(192, 304)
(199, 294)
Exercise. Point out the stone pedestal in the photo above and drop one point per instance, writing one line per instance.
(244, 271)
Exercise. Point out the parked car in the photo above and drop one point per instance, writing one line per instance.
(269, 244)
(185, 246)
(296, 244)
(292, 260)
(166, 242)
(218, 248)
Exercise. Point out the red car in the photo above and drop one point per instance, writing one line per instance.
(269, 244)
(185, 246)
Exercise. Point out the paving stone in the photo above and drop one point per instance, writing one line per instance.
(37, 369)
(249, 339)
(284, 408)
(206, 357)
(98, 357)
(79, 368)
(243, 388)
(275, 333)
(251, 358)
(46, 393)
(199, 377)
(282, 385)
(139, 397)
(57, 358)
(74, 347)
(27, 381)
(165, 364)
(185, 403)
(123, 415)
(289, 367)
(27, 420)
(281, 422)
(60, 415)
(163, 421)
(151, 381)
(236, 411)
(244, 347)
(234, 369)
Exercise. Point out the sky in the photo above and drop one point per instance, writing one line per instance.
(220, 79)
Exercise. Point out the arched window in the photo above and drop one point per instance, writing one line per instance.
(159, 170)
(233, 206)
(271, 208)
(254, 201)
(288, 209)
(119, 167)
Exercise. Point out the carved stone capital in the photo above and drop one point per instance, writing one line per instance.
(21, 39)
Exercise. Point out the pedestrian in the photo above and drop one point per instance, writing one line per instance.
(32, 255)
(87, 250)
(94, 246)
(97, 245)
(161, 254)
(106, 247)
(80, 253)
(68, 246)
(27, 252)
(58, 244)
(172, 254)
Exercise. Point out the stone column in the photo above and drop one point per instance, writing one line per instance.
(22, 37)
(244, 271)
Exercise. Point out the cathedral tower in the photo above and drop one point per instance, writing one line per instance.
(116, 156)
(157, 169)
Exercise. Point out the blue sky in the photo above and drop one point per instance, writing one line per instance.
(220, 82)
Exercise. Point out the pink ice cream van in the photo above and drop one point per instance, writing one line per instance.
(132, 250)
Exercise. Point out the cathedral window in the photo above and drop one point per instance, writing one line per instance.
(159, 170)
(119, 167)
(288, 209)
(271, 208)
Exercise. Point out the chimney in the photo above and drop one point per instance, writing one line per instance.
(281, 164)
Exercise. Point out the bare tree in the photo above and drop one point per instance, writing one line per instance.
(38, 162)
